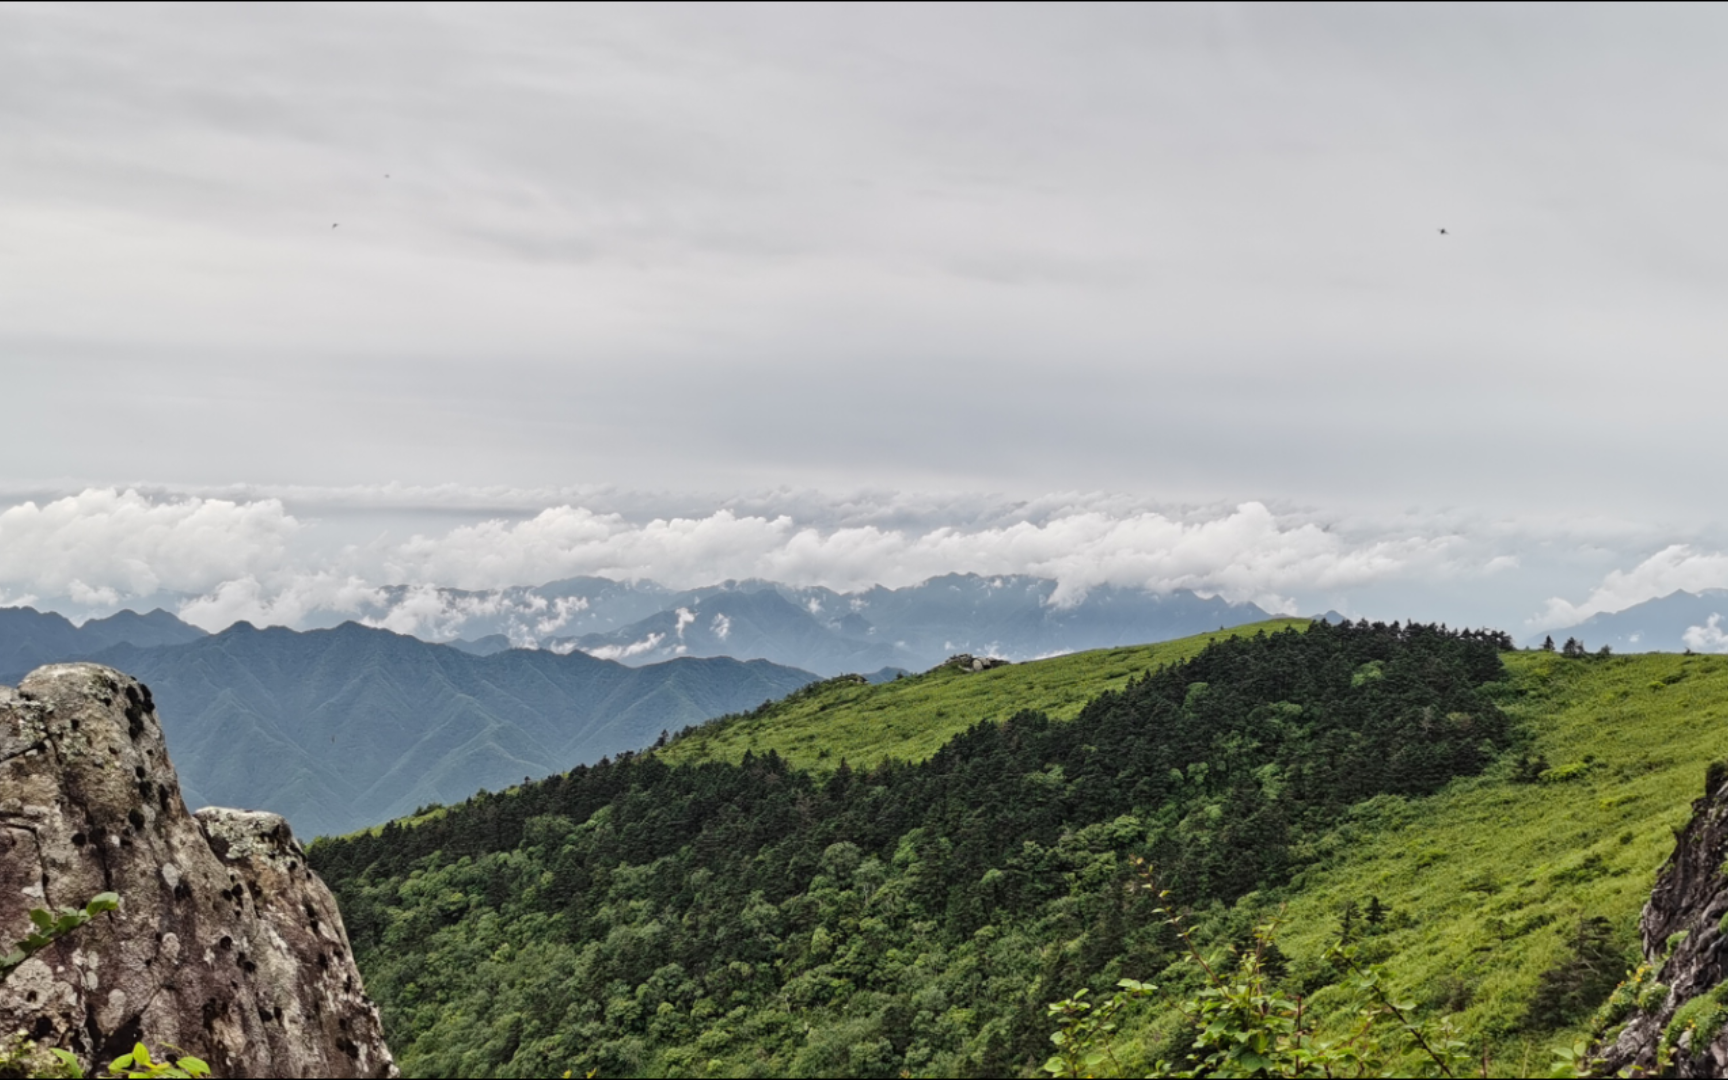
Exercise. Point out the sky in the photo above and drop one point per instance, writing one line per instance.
(294, 298)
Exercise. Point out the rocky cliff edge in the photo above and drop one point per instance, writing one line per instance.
(1675, 1008)
(226, 945)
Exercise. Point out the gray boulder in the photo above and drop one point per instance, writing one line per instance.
(226, 945)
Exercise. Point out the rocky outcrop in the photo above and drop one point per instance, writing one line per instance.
(968, 662)
(226, 945)
(1676, 1010)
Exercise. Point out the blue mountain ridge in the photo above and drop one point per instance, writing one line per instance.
(31, 638)
(914, 627)
(341, 728)
(1658, 625)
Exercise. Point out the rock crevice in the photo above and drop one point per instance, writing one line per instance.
(226, 945)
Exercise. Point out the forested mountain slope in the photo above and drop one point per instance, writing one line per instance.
(718, 918)
(912, 717)
(337, 729)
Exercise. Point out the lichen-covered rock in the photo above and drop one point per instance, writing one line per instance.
(226, 945)
(1676, 1016)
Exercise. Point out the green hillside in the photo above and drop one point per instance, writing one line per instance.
(1488, 880)
(714, 918)
(910, 718)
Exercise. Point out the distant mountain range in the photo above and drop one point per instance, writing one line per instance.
(344, 726)
(31, 638)
(911, 628)
(832, 633)
(1671, 623)
(337, 729)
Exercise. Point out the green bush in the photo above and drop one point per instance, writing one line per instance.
(1243, 1025)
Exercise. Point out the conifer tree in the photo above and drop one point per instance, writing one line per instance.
(1375, 915)
(1347, 922)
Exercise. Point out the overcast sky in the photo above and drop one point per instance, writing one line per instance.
(363, 274)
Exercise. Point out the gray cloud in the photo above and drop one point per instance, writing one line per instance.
(1187, 255)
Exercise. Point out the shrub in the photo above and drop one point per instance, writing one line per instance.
(1587, 976)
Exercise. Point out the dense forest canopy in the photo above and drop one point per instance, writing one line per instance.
(636, 917)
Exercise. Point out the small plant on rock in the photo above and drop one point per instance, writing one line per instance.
(21, 1057)
(52, 926)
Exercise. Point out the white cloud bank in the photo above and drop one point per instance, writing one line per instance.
(287, 598)
(1245, 554)
(221, 558)
(103, 545)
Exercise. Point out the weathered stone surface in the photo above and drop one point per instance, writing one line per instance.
(1684, 943)
(226, 945)
(968, 662)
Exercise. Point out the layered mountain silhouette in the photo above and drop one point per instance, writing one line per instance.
(1671, 623)
(31, 638)
(756, 624)
(823, 630)
(337, 729)
(915, 627)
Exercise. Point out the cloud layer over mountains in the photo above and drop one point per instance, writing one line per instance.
(1256, 273)
(269, 558)
(105, 546)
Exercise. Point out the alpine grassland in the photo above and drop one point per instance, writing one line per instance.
(912, 717)
(903, 879)
(1493, 896)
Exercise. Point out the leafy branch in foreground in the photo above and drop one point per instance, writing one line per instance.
(1083, 1033)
